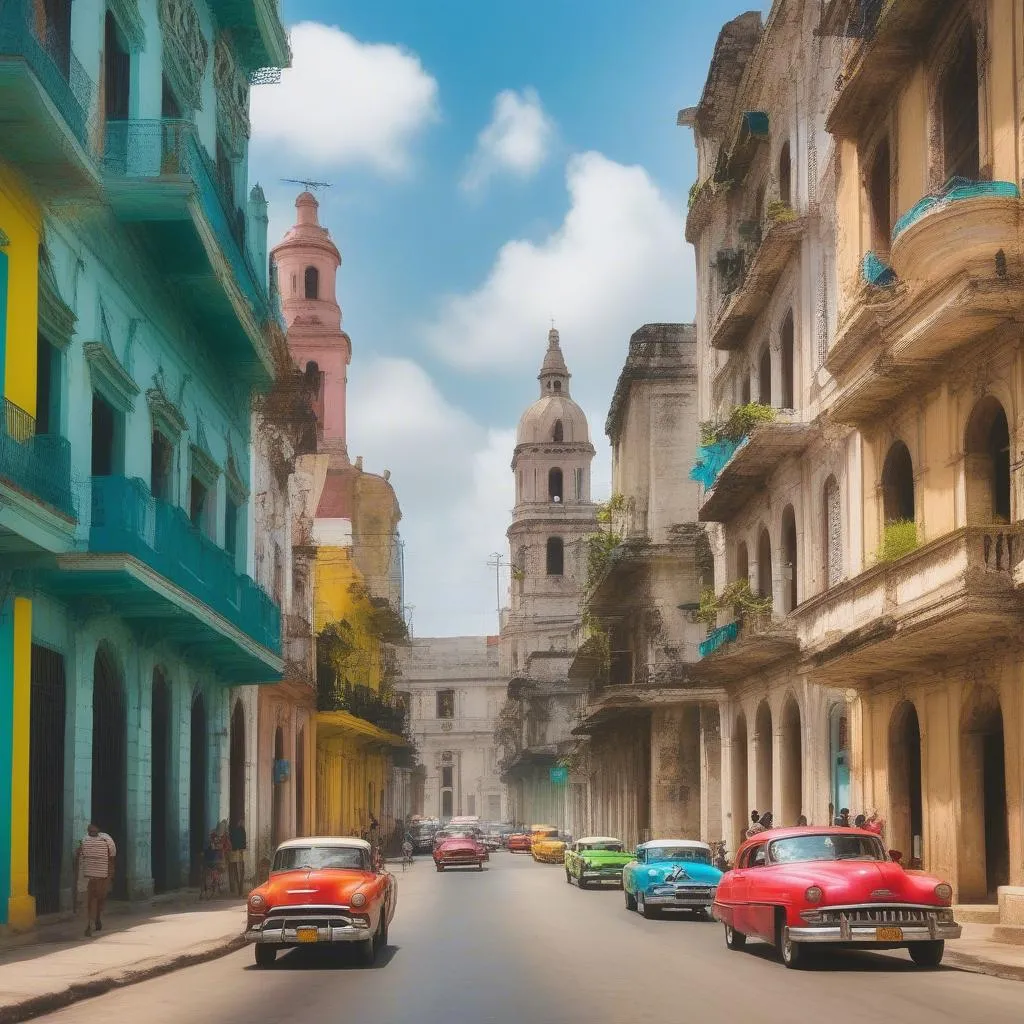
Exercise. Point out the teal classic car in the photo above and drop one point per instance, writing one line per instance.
(594, 860)
(671, 874)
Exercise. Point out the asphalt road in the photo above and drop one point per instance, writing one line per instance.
(516, 945)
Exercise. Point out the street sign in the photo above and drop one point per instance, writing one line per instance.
(559, 775)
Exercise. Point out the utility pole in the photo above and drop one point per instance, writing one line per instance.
(496, 562)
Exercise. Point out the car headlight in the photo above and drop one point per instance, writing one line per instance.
(652, 872)
(813, 894)
(257, 902)
(944, 892)
(358, 900)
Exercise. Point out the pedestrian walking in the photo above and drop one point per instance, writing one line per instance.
(843, 820)
(801, 821)
(236, 859)
(94, 861)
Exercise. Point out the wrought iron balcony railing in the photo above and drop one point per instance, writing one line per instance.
(39, 464)
(168, 148)
(127, 519)
(23, 32)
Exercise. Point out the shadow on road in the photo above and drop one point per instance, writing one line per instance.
(852, 961)
(327, 959)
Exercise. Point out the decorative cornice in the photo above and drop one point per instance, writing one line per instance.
(232, 96)
(166, 415)
(236, 485)
(56, 318)
(203, 463)
(109, 376)
(186, 50)
(126, 13)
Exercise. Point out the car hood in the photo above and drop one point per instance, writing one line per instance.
(458, 846)
(304, 886)
(605, 858)
(690, 873)
(855, 881)
(549, 844)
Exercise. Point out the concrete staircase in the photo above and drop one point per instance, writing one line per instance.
(976, 913)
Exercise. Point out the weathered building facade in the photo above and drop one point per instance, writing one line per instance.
(551, 523)
(454, 689)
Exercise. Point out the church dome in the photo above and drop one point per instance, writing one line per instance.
(539, 424)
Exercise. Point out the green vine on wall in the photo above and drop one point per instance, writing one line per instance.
(737, 598)
(899, 538)
(779, 212)
(742, 420)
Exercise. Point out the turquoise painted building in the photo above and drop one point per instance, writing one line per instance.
(127, 611)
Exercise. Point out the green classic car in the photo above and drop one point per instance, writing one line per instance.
(596, 859)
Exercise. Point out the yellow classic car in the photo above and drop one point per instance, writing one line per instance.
(545, 845)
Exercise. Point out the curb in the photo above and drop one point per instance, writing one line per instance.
(144, 970)
(976, 965)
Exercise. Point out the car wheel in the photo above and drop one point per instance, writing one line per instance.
(265, 954)
(733, 938)
(793, 953)
(440, 867)
(480, 866)
(568, 877)
(383, 941)
(927, 954)
(630, 899)
(641, 905)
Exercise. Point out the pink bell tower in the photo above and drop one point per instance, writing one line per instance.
(307, 264)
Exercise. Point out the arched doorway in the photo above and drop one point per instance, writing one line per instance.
(790, 564)
(236, 766)
(160, 733)
(764, 377)
(276, 787)
(300, 783)
(987, 464)
(46, 778)
(197, 818)
(742, 561)
(839, 756)
(906, 816)
(984, 848)
(109, 767)
(763, 750)
(898, 484)
(764, 565)
(785, 175)
(787, 357)
(740, 808)
(792, 763)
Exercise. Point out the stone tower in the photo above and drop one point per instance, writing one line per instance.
(307, 264)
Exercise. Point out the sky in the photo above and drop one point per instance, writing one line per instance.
(493, 167)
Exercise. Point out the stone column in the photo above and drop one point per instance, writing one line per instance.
(77, 750)
(181, 741)
(138, 689)
(710, 774)
(726, 775)
(675, 772)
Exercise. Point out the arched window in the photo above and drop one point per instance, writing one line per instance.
(790, 563)
(960, 122)
(880, 198)
(312, 277)
(764, 564)
(555, 485)
(785, 176)
(557, 435)
(558, 385)
(898, 484)
(987, 463)
(745, 389)
(555, 556)
(742, 561)
(764, 373)
(788, 397)
(833, 533)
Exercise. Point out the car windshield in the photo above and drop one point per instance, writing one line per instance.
(688, 854)
(609, 847)
(297, 857)
(825, 847)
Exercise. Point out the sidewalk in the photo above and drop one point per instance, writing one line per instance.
(56, 965)
(977, 950)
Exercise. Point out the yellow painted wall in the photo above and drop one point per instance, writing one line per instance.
(848, 225)
(21, 221)
(345, 769)
(911, 143)
(1002, 83)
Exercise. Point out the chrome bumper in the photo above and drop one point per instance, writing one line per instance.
(867, 934)
(597, 877)
(274, 933)
(683, 902)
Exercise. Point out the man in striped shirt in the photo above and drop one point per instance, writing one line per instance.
(94, 860)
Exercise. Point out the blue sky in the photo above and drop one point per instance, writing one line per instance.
(459, 240)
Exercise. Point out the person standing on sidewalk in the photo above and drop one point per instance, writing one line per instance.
(94, 859)
(236, 859)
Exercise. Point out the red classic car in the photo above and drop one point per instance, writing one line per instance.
(801, 888)
(460, 852)
(321, 890)
(520, 842)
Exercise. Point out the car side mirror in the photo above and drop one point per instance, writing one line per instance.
(896, 856)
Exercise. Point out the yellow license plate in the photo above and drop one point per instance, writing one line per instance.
(311, 934)
(889, 934)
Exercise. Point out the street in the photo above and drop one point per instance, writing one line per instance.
(517, 944)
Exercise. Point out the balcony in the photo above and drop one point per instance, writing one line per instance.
(37, 510)
(958, 258)
(888, 39)
(257, 32)
(446, 726)
(752, 463)
(47, 98)
(753, 281)
(752, 644)
(161, 181)
(950, 599)
(148, 562)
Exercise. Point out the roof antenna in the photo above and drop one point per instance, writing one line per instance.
(309, 186)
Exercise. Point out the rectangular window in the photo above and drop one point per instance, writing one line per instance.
(445, 703)
(230, 527)
(198, 498)
(161, 467)
(579, 484)
(47, 387)
(116, 73)
(446, 777)
(105, 446)
(471, 804)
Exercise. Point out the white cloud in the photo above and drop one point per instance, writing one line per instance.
(345, 102)
(617, 261)
(453, 482)
(515, 142)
